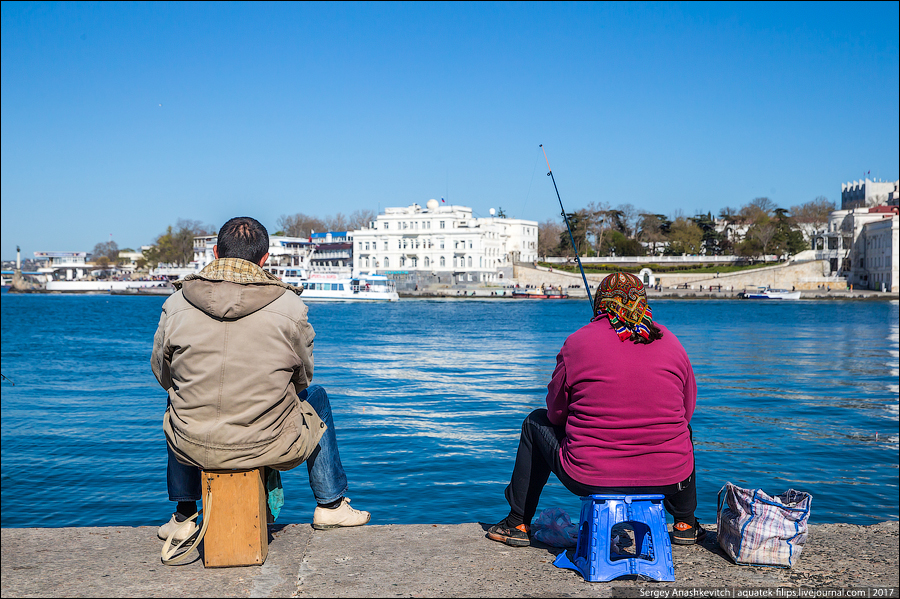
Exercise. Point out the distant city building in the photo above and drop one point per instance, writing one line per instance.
(879, 260)
(868, 194)
(284, 252)
(63, 265)
(861, 240)
(333, 252)
(128, 260)
(444, 242)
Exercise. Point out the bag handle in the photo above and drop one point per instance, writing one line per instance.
(168, 551)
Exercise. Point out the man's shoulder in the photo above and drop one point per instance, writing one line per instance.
(175, 302)
(289, 304)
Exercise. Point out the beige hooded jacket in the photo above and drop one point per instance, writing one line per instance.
(233, 349)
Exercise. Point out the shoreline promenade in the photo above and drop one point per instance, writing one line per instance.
(420, 560)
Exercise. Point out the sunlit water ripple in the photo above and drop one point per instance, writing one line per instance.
(429, 397)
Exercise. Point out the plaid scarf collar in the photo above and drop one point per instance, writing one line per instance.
(622, 298)
(236, 270)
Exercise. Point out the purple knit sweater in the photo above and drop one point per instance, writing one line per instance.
(626, 408)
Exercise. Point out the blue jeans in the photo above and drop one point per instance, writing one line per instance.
(326, 473)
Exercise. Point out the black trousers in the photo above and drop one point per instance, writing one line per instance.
(538, 456)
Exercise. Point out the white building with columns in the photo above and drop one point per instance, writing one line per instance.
(444, 244)
(861, 241)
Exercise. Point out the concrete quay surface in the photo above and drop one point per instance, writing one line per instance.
(421, 560)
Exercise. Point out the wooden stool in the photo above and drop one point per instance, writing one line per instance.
(237, 533)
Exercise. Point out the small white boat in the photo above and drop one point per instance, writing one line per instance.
(769, 293)
(545, 292)
(82, 286)
(333, 287)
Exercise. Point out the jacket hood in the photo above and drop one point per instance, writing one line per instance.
(232, 288)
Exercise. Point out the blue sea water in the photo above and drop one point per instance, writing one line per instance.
(429, 397)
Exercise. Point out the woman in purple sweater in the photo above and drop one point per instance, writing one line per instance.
(618, 416)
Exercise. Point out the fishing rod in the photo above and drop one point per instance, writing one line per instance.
(572, 237)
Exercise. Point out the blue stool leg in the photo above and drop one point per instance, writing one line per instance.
(599, 513)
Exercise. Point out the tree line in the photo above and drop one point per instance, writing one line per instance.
(303, 225)
(598, 230)
(174, 246)
(758, 228)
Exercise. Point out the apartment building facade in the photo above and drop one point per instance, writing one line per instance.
(443, 243)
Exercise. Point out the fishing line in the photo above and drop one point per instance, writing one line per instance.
(533, 171)
(571, 237)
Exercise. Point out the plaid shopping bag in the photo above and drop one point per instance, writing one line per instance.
(760, 530)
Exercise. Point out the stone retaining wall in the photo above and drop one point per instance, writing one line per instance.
(800, 275)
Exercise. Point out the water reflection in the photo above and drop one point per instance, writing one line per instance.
(429, 398)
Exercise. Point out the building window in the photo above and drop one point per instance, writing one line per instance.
(470, 261)
(427, 262)
(470, 244)
(387, 226)
(443, 261)
(442, 244)
(442, 224)
(415, 261)
(385, 245)
(402, 261)
(387, 262)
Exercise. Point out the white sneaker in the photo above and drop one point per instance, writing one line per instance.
(343, 515)
(182, 529)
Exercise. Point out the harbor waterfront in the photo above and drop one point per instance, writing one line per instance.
(429, 395)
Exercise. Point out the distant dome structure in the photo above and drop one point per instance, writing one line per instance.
(432, 204)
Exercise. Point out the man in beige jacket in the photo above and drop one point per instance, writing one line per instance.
(234, 351)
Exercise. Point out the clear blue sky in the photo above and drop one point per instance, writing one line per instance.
(122, 118)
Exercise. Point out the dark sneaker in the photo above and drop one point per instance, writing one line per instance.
(685, 534)
(515, 537)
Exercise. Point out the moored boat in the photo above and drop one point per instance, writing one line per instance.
(769, 293)
(82, 286)
(544, 292)
(335, 287)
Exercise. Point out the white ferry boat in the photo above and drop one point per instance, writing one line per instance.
(768, 293)
(335, 287)
(81, 286)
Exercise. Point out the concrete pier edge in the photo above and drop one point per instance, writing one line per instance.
(419, 560)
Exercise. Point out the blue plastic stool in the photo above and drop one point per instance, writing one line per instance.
(653, 549)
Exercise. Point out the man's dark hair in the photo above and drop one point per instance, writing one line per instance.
(243, 237)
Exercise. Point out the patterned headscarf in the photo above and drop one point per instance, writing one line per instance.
(622, 298)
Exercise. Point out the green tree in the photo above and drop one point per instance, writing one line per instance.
(151, 256)
(652, 228)
(787, 239)
(579, 220)
(616, 243)
(685, 237)
(176, 245)
(712, 240)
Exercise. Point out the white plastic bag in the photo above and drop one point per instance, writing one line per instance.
(554, 527)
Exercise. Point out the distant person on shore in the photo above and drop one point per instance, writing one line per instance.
(234, 351)
(618, 415)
